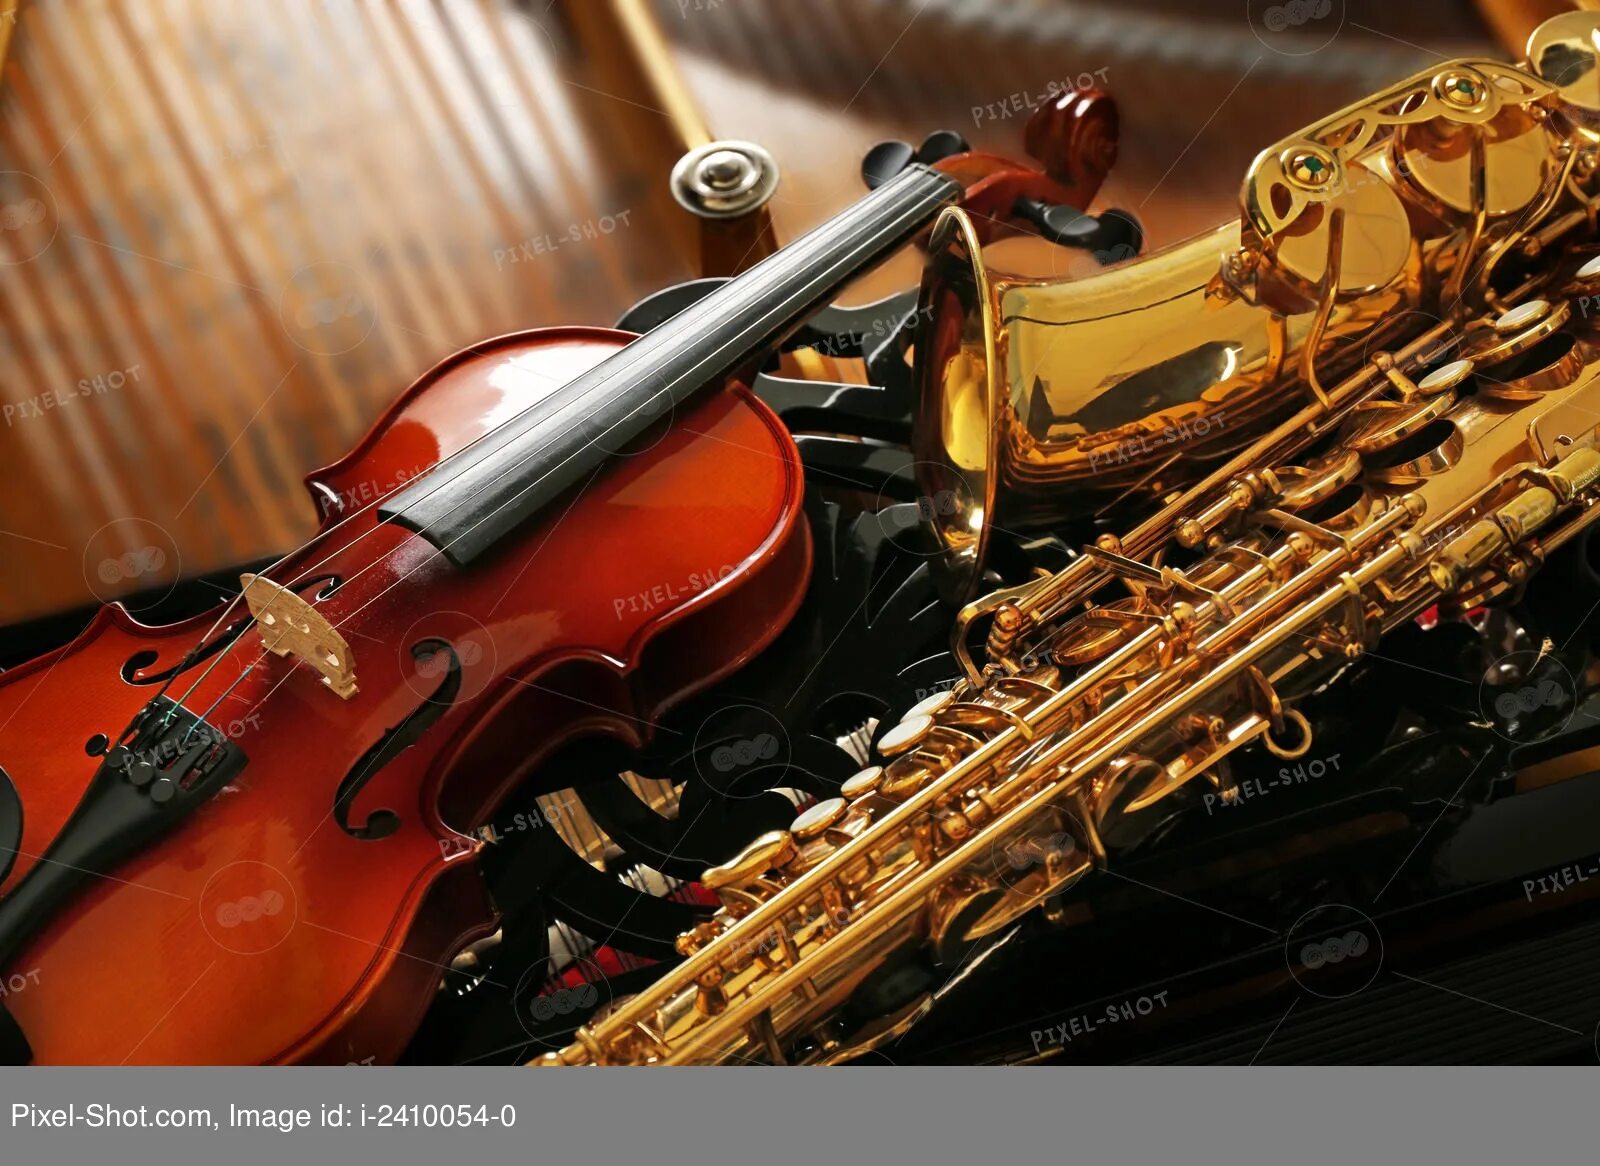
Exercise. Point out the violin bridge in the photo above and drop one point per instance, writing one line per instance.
(291, 626)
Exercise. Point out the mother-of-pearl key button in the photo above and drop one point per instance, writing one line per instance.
(1446, 376)
(818, 818)
(907, 734)
(930, 706)
(1522, 315)
(862, 783)
(1590, 270)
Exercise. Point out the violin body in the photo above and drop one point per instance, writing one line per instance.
(305, 912)
(248, 837)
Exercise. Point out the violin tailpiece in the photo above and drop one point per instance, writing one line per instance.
(291, 626)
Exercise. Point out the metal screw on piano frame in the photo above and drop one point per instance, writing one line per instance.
(723, 180)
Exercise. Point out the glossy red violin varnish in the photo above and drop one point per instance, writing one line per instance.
(260, 931)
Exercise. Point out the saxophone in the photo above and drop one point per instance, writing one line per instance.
(1405, 301)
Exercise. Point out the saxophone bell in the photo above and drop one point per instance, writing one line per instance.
(1073, 403)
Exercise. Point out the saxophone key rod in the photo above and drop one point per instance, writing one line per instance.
(907, 898)
(914, 891)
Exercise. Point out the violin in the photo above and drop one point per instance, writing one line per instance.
(246, 837)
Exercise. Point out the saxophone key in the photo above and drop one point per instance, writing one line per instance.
(737, 880)
(860, 784)
(930, 706)
(817, 820)
(907, 735)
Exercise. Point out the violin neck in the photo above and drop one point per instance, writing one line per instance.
(467, 503)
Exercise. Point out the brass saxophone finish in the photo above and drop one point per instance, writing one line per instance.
(1440, 465)
(1045, 400)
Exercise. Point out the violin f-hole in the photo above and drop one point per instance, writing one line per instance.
(429, 655)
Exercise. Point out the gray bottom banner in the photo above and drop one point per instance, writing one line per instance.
(985, 1117)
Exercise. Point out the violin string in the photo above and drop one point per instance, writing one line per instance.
(660, 337)
(198, 680)
(680, 322)
(688, 315)
(205, 717)
(424, 561)
(221, 655)
(187, 662)
(871, 223)
(871, 226)
(642, 348)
